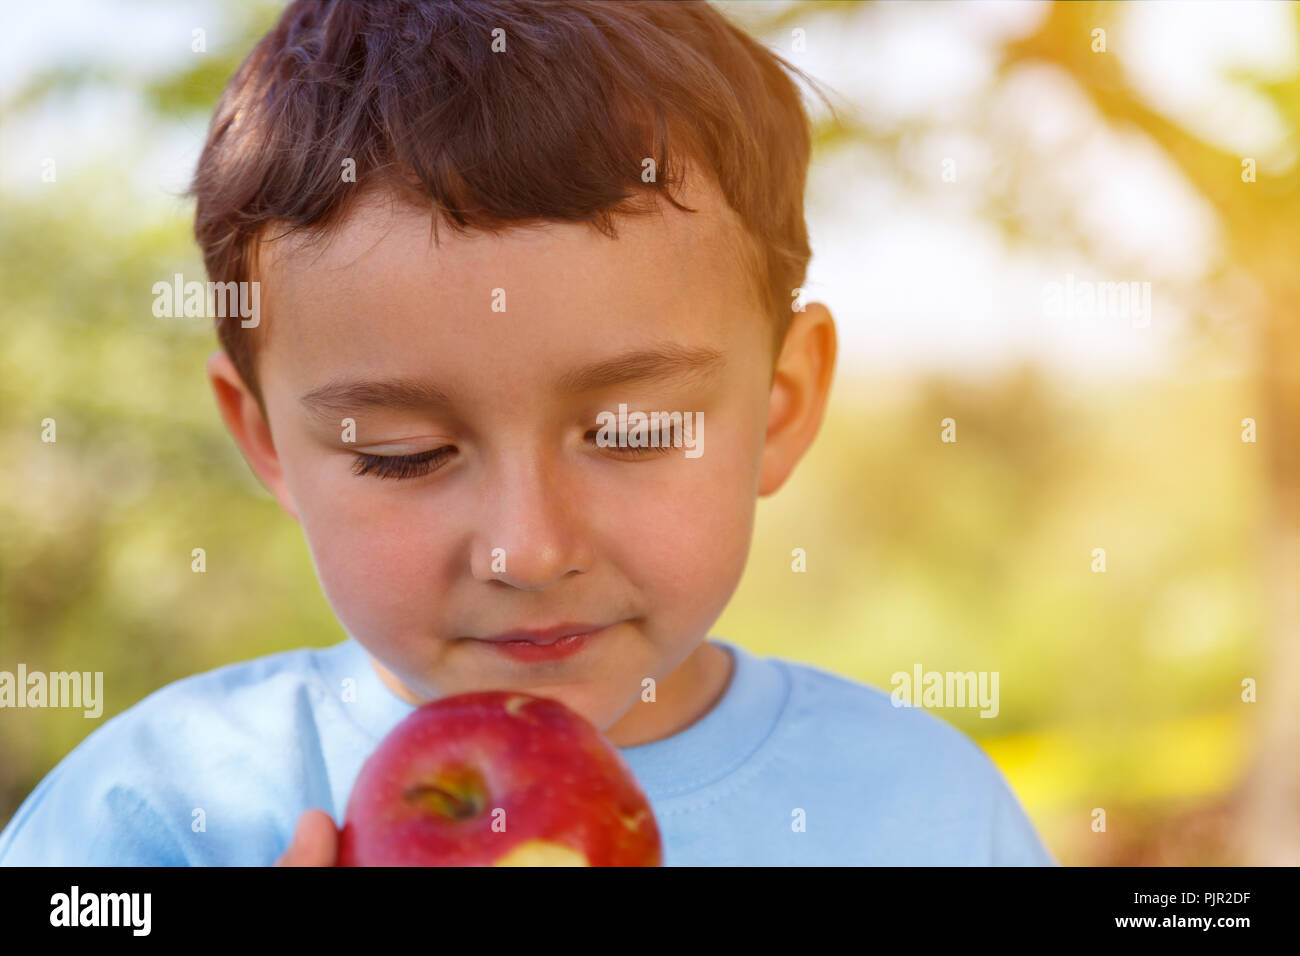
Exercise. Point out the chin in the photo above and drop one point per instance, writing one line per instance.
(580, 700)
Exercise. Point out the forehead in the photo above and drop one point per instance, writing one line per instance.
(381, 225)
(378, 293)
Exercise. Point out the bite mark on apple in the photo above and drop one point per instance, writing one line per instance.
(542, 853)
(517, 703)
(633, 822)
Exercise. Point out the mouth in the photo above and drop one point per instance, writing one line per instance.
(547, 643)
(543, 637)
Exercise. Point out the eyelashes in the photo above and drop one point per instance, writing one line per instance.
(426, 462)
(402, 466)
(622, 448)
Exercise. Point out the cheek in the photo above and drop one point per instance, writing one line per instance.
(372, 564)
(689, 539)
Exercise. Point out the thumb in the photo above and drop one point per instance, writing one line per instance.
(315, 841)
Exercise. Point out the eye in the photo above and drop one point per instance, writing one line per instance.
(402, 466)
(660, 436)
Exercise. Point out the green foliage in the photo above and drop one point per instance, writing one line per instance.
(968, 556)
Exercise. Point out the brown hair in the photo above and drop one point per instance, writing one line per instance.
(556, 127)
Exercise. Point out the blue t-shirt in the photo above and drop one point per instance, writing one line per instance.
(793, 766)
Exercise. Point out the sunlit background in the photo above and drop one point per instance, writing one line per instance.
(986, 157)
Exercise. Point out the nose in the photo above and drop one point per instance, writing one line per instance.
(532, 531)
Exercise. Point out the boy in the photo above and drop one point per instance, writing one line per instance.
(479, 230)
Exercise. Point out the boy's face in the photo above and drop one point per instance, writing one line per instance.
(515, 343)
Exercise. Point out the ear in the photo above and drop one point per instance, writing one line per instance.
(801, 386)
(247, 425)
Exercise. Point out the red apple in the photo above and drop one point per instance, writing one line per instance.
(497, 778)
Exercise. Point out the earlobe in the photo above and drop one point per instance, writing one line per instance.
(800, 390)
(244, 420)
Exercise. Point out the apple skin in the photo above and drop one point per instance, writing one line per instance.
(431, 791)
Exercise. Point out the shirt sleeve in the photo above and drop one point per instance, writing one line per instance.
(84, 814)
(1015, 840)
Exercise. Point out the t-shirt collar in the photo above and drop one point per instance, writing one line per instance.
(707, 750)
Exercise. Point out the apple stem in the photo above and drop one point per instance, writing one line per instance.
(459, 808)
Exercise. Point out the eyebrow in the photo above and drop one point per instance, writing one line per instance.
(658, 363)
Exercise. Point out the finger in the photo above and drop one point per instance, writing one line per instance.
(315, 841)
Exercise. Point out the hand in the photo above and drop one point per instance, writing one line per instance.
(315, 841)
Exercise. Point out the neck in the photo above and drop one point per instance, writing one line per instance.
(681, 699)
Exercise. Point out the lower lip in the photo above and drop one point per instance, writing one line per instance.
(564, 647)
